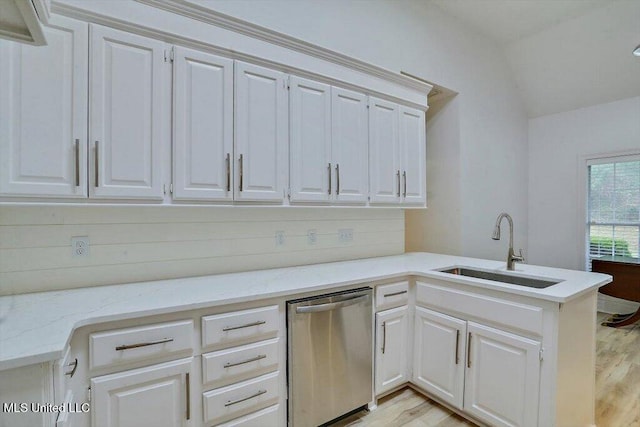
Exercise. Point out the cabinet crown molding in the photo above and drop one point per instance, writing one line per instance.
(209, 16)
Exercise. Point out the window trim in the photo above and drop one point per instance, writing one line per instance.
(583, 192)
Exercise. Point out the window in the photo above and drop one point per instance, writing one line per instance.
(613, 213)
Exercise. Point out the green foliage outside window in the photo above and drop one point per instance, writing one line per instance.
(606, 246)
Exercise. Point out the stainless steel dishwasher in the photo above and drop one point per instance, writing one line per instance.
(330, 355)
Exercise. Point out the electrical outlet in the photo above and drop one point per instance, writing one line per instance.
(312, 237)
(80, 246)
(345, 234)
(280, 238)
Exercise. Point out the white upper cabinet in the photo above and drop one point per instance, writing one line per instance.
(261, 134)
(384, 155)
(349, 145)
(126, 86)
(413, 156)
(203, 126)
(397, 158)
(43, 114)
(310, 141)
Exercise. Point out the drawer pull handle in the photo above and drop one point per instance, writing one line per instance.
(248, 325)
(253, 359)
(457, 342)
(233, 402)
(393, 294)
(142, 344)
(73, 371)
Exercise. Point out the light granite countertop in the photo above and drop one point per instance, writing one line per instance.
(37, 327)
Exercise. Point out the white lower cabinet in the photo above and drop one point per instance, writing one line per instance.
(490, 374)
(502, 379)
(153, 396)
(439, 349)
(391, 348)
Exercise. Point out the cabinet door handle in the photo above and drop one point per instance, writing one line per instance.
(96, 163)
(329, 178)
(457, 342)
(469, 351)
(384, 336)
(233, 402)
(393, 294)
(241, 170)
(398, 175)
(188, 393)
(248, 325)
(143, 344)
(73, 370)
(77, 155)
(404, 176)
(337, 179)
(253, 359)
(228, 164)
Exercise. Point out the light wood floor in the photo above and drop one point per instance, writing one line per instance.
(617, 390)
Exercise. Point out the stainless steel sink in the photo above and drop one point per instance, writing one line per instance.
(501, 277)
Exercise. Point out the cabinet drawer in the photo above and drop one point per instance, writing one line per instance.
(233, 401)
(502, 311)
(134, 344)
(239, 363)
(263, 418)
(223, 330)
(392, 295)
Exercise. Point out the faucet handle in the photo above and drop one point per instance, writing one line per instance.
(520, 257)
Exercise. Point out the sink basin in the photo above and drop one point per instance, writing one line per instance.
(512, 279)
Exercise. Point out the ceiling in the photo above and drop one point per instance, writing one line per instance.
(565, 54)
(507, 21)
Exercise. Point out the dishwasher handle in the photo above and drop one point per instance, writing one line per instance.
(331, 305)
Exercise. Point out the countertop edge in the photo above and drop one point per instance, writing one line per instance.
(55, 351)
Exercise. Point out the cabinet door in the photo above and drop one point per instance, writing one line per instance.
(126, 88)
(155, 396)
(384, 162)
(502, 378)
(203, 126)
(438, 362)
(413, 156)
(261, 133)
(43, 110)
(391, 348)
(349, 142)
(310, 144)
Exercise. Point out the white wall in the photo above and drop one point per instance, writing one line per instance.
(139, 243)
(558, 144)
(488, 122)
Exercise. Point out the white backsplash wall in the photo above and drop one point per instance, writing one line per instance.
(140, 243)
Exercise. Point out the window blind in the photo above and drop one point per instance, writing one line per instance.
(613, 213)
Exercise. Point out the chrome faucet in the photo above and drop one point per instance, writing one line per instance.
(511, 257)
